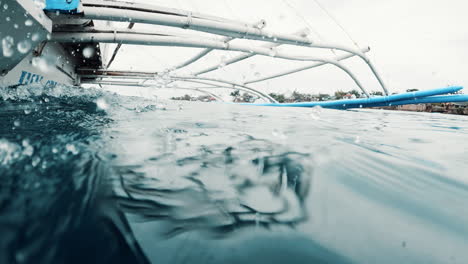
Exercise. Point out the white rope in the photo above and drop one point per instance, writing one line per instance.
(336, 21)
(309, 26)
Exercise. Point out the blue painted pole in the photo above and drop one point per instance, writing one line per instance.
(408, 98)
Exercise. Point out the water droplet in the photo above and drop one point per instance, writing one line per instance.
(8, 19)
(275, 39)
(5, 6)
(17, 123)
(102, 104)
(357, 140)
(279, 134)
(272, 52)
(36, 37)
(54, 150)
(27, 111)
(40, 4)
(16, 26)
(88, 52)
(221, 65)
(43, 63)
(8, 44)
(28, 22)
(24, 46)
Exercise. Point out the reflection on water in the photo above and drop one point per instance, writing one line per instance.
(141, 181)
(215, 196)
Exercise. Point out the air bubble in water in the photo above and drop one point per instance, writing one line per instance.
(27, 111)
(17, 123)
(16, 26)
(8, 19)
(20, 257)
(71, 148)
(28, 149)
(24, 46)
(88, 52)
(28, 22)
(5, 6)
(8, 44)
(102, 104)
(35, 161)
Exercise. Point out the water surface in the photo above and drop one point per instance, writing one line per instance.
(88, 176)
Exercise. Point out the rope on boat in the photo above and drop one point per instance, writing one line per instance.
(334, 19)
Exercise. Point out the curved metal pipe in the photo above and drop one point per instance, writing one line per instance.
(193, 43)
(200, 80)
(242, 57)
(149, 86)
(314, 65)
(224, 28)
(234, 30)
(233, 87)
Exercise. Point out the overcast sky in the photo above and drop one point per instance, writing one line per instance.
(419, 44)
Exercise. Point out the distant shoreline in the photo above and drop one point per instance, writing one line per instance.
(448, 108)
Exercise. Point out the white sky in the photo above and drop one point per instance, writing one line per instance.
(414, 43)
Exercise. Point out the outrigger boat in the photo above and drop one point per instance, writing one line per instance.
(58, 42)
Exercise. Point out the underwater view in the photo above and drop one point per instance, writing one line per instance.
(88, 176)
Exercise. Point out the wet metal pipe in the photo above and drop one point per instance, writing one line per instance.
(234, 30)
(428, 96)
(311, 66)
(156, 40)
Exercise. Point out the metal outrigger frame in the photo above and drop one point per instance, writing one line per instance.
(223, 31)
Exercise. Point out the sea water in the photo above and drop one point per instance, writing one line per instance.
(92, 177)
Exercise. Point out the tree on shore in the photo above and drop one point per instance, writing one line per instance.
(278, 97)
(339, 94)
(355, 92)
